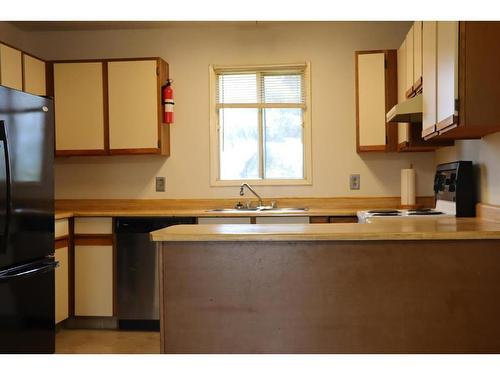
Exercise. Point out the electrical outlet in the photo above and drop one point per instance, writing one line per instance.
(160, 184)
(354, 181)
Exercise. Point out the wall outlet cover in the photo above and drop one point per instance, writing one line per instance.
(354, 181)
(160, 184)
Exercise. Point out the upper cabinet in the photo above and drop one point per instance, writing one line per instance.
(122, 112)
(22, 71)
(79, 108)
(34, 75)
(376, 93)
(467, 71)
(11, 71)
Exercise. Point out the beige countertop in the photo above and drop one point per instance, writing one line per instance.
(410, 229)
(199, 207)
(63, 215)
(205, 213)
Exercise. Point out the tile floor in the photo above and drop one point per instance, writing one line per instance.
(93, 341)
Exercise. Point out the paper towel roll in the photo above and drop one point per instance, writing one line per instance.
(407, 187)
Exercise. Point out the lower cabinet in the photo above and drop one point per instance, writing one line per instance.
(93, 278)
(61, 282)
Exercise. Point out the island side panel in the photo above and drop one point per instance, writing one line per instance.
(331, 297)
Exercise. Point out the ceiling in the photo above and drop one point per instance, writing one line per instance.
(114, 25)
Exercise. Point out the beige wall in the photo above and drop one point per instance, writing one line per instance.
(190, 48)
(485, 153)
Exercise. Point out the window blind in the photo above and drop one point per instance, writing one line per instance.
(261, 88)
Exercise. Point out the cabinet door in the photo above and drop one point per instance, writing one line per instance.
(429, 73)
(417, 55)
(11, 72)
(447, 73)
(34, 75)
(403, 137)
(93, 278)
(371, 105)
(409, 62)
(79, 108)
(133, 106)
(61, 284)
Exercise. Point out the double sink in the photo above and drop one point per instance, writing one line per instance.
(259, 209)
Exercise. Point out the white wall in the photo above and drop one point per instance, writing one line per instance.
(485, 153)
(190, 48)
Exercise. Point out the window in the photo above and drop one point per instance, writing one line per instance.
(260, 125)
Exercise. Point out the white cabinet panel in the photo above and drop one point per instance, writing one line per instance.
(93, 280)
(409, 60)
(61, 228)
(371, 99)
(79, 106)
(133, 104)
(34, 75)
(429, 73)
(61, 284)
(11, 72)
(417, 51)
(447, 68)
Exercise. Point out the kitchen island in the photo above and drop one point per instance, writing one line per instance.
(413, 286)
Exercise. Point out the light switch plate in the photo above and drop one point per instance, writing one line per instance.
(160, 184)
(354, 181)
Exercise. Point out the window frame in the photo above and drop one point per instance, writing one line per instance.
(214, 127)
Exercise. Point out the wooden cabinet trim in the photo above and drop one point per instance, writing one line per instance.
(80, 152)
(447, 123)
(93, 240)
(61, 243)
(132, 151)
(371, 148)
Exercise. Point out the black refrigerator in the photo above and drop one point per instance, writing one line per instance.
(26, 223)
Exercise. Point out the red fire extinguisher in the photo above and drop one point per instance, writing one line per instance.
(168, 102)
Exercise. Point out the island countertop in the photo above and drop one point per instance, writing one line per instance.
(389, 229)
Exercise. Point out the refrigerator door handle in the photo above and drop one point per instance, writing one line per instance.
(8, 182)
(28, 270)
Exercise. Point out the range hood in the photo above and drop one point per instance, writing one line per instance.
(408, 111)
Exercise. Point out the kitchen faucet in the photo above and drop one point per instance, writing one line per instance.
(242, 192)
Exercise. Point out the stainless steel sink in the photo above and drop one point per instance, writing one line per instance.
(259, 209)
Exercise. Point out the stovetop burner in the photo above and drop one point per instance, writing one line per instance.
(423, 213)
(391, 213)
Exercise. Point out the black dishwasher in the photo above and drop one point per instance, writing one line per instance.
(137, 270)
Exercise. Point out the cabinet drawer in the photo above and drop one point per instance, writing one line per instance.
(93, 225)
(61, 228)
